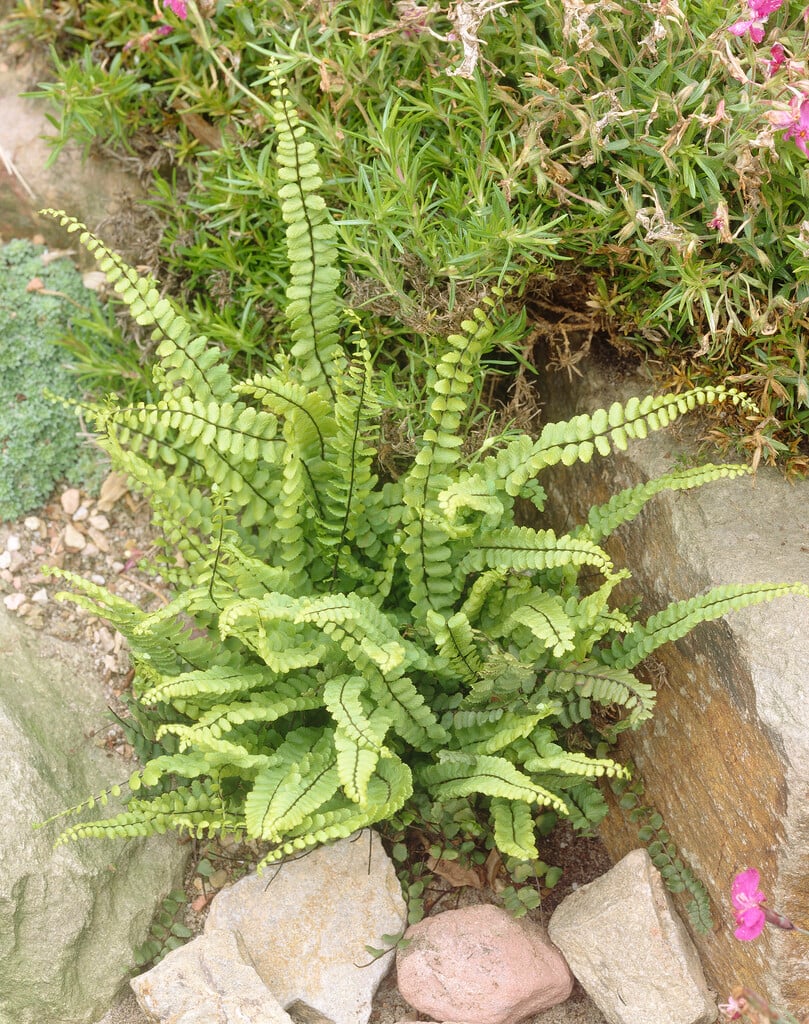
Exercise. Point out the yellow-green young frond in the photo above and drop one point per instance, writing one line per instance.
(363, 632)
(488, 737)
(309, 412)
(343, 696)
(625, 506)
(680, 617)
(411, 717)
(389, 788)
(197, 809)
(513, 822)
(286, 793)
(217, 682)
(455, 641)
(269, 627)
(165, 650)
(356, 759)
(544, 616)
(190, 365)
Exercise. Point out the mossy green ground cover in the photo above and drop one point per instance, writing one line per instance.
(39, 437)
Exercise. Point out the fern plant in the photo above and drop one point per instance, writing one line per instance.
(339, 642)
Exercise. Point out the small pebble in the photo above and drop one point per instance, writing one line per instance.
(14, 601)
(99, 522)
(81, 513)
(5, 560)
(31, 523)
(98, 579)
(13, 542)
(74, 540)
(40, 596)
(219, 878)
(71, 499)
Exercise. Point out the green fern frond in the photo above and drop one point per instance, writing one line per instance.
(286, 793)
(464, 774)
(520, 548)
(680, 617)
(389, 788)
(455, 641)
(190, 365)
(625, 506)
(544, 616)
(607, 685)
(513, 823)
(578, 439)
(197, 809)
(269, 627)
(312, 307)
(488, 737)
(354, 517)
(342, 696)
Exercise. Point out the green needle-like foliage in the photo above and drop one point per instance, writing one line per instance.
(340, 643)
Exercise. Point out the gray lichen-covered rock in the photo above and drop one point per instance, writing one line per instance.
(70, 918)
(626, 945)
(204, 981)
(725, 759)
(304, 925)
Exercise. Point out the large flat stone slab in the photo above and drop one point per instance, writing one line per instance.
(726, 758)
(70, 918)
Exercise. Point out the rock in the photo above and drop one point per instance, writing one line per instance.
(304, 925)
(74, 541)
(725, 760)
(70, 501)
(303, 1014)
(204, 981)
(71, 917)
(91, 189)
(480, 965)
(14, 601)
(626, 945)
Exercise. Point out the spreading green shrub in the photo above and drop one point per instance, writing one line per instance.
(340, 642)
(39, 438)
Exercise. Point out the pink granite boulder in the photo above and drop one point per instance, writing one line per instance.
(481, 966)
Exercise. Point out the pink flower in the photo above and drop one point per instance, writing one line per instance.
(747, 899)
(732, 1009)
(178, 7)
(777, 57)
(754, 27)
(761, 10)
(798, 129)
